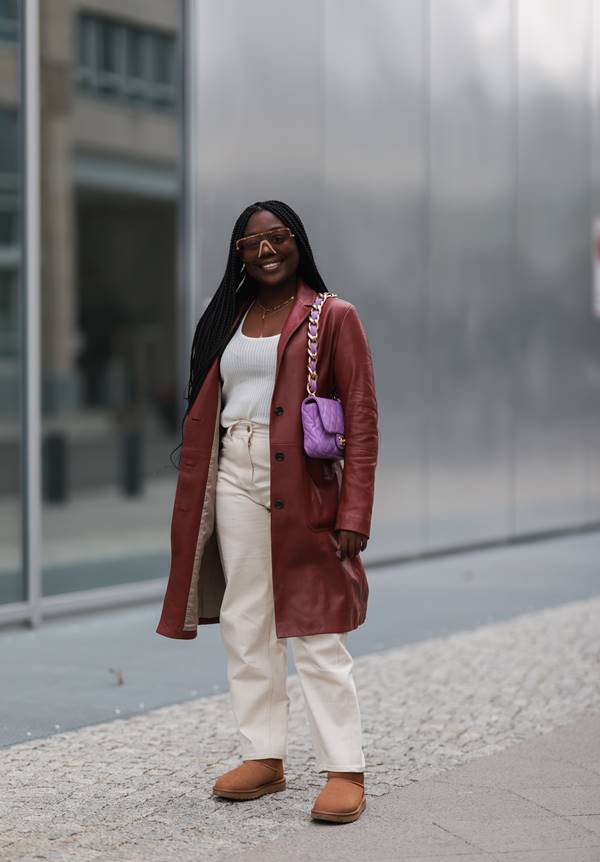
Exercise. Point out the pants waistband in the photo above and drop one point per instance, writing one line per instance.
(247, 428)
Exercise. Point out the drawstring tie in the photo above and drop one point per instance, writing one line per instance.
(251, 428)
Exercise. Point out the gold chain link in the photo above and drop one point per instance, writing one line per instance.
(313, 339)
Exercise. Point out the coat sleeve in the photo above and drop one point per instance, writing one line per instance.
(355, 385)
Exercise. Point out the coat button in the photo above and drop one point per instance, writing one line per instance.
(279, 504)
(279, 411)
(279, 456)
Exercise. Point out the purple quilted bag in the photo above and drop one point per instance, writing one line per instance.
(322, 418)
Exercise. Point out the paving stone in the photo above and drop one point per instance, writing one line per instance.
(519, 834)
(565, 799)
(578, 854)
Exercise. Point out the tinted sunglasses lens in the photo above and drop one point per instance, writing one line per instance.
(247, 246)
(276, 238)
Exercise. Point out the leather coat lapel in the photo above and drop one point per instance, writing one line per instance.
(300, 310)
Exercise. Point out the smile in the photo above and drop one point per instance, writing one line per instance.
(269, 267)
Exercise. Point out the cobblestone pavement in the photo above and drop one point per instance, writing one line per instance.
(140, 788)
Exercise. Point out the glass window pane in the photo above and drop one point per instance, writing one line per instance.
(163, 69)
(164, 60)
(110, 397)
(126, 61)
(8, 310)
(12, 582)
(9, 20)
(9, 151)
(109, 34)
(9, 9)
(134, 53)
(8, 226)
(87, 27)
(138, 49)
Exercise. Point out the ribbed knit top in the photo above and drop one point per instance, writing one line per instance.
(247, 370)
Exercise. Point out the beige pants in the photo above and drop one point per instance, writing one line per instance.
(257, 659)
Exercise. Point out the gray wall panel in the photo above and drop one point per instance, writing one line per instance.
(258, 126)
(440, 155)
(471, 295)
(591, 366)
(375, 158)
(552, 264)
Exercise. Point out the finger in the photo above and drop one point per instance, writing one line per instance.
(343, 547)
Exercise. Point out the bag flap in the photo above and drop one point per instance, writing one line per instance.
(331, 413)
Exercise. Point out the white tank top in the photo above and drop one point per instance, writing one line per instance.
(247, 369)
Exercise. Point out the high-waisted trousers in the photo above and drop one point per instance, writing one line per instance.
(257, 659)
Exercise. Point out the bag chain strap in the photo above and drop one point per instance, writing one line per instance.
(313, 333)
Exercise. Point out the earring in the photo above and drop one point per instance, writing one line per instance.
(244, 278)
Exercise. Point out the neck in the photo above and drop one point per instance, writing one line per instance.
(278, 293)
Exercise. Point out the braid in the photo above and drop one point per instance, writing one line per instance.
(214, 327)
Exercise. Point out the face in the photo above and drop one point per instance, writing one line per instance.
(270, 264)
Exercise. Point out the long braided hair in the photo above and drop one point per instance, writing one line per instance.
(213, 328)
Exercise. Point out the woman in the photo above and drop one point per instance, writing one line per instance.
(265, 540)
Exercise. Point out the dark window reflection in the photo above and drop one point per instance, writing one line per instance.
(109, 226)
(12, 583)
(126, 61)
(9, 18)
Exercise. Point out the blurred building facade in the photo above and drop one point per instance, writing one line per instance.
(444, 158)
(109, 141)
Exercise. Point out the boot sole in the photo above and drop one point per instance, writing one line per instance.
(332, 817)
(273, 787)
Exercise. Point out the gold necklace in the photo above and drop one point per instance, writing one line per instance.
(267, 310)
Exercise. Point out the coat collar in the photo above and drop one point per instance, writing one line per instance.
(299, 311)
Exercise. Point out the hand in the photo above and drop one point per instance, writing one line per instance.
(350, 543)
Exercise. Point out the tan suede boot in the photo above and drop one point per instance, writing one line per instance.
(342, 800)
(251, 779)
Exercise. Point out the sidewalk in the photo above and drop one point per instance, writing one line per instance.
(61, 676)
(437, 715)
(539, 801)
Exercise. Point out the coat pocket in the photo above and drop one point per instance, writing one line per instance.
(321, 493)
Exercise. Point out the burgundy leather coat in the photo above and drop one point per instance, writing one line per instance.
(314, 591)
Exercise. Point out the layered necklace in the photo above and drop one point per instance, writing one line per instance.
(270, 309)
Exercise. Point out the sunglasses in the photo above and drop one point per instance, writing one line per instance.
(247, 246)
